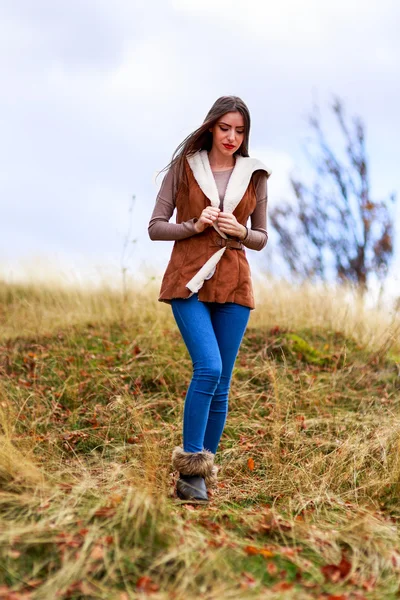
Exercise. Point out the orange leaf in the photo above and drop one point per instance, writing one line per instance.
(250, 464)
(145, 584)
(108, 539)
(282, 586)
(105, 511)
(263, 551)
(251, 550)
(116, 499)
(266, 553)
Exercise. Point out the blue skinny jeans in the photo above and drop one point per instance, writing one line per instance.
(212, 333)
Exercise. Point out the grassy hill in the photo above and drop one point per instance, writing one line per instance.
(92, 386)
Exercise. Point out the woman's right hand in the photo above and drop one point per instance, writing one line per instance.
(207, 218)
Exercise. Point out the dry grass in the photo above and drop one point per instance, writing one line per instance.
(91, 397)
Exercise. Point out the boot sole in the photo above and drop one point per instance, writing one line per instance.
(181, 499)
(190, 501)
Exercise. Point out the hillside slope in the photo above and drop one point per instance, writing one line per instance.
(92, 386)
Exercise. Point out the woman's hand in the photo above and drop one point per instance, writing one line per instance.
(228, 223)
(207, 218)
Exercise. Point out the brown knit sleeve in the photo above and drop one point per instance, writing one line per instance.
(159, 227)
(257, 235)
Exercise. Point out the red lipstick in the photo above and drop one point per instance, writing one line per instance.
(228, 146)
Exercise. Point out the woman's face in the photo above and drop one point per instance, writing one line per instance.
(228, 133)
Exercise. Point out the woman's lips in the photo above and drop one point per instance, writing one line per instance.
(228, 146)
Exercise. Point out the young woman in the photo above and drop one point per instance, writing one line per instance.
(215, 187)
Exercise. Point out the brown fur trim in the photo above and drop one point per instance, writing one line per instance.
(211, 479)
(192, 463)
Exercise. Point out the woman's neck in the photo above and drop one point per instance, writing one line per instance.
(217, 162)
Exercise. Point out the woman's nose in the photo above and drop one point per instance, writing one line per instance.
(231, 136)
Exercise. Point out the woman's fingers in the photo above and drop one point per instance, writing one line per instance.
(227, 218)
(208, 216)
(210, 213)
(225, 222)
(228, 223)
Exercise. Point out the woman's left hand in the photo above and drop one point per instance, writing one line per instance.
(228, 224)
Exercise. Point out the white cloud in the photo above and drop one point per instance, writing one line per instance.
(281, 165)
(287, 21)
(98, 95)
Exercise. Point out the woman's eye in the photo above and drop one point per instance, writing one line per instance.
(225, 129)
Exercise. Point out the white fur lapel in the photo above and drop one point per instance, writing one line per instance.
(238, 181)
(235, 190)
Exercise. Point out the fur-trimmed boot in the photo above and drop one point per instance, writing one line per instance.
(195, 470)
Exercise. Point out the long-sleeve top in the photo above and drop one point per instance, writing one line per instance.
(160, 229)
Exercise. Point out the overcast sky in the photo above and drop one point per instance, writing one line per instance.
(96, 96)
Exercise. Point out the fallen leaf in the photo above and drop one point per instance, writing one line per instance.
(115, 499)
(282, 586)
(251, 550)
(266, 553)
(145, 584)
(336, 572)
(272, 568)
(97, 552)
(263, 551)
(105, 511)
(108, 539)
(248, 580)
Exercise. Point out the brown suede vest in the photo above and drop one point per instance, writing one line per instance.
(231, 281)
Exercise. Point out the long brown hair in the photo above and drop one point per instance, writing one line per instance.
(201, 138)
